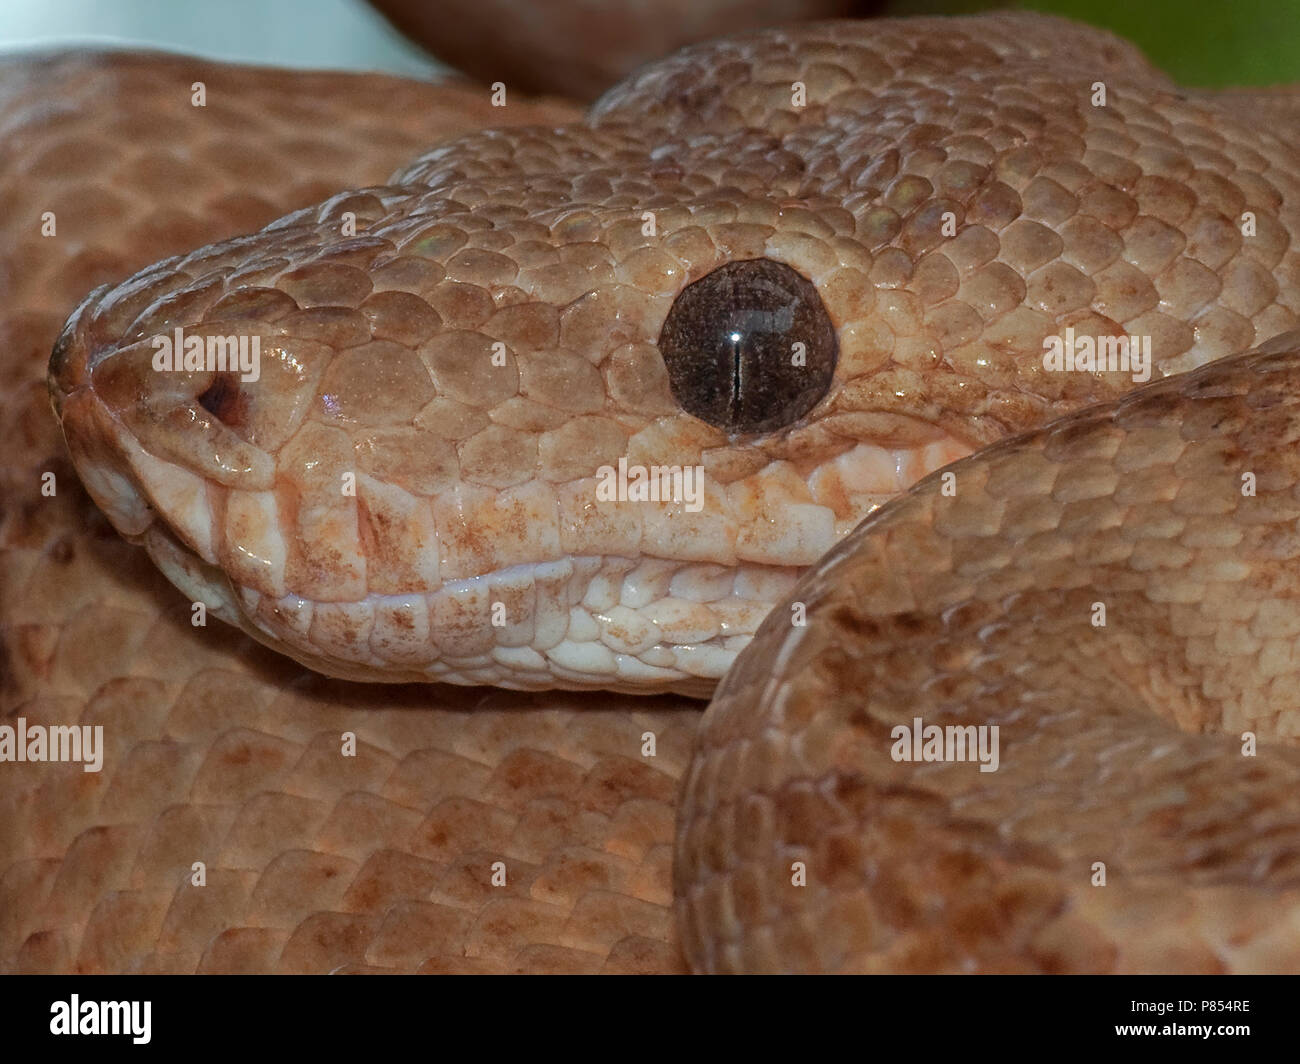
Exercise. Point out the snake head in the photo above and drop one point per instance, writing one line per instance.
(802, 272)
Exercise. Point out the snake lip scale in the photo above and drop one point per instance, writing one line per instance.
(821, 266)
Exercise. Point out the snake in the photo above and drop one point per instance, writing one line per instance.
(817, 266)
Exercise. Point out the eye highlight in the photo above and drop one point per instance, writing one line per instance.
(749, 347)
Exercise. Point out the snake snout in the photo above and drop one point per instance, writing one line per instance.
(97, 442)
(156, 414)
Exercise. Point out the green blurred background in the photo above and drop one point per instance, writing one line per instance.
(1198, 42)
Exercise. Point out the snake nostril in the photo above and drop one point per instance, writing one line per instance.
(749, 347)
(225, 400)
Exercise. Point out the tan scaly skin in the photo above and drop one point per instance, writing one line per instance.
(1120, 745)
(474, 478)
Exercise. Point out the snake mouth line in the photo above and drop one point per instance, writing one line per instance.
(636, 625)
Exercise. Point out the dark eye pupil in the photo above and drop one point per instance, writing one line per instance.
(749, 347)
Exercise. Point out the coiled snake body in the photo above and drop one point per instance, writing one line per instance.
(408, 492)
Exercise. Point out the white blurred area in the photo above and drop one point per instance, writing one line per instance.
(332, 34)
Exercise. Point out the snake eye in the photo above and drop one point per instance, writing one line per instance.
(749, 347)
